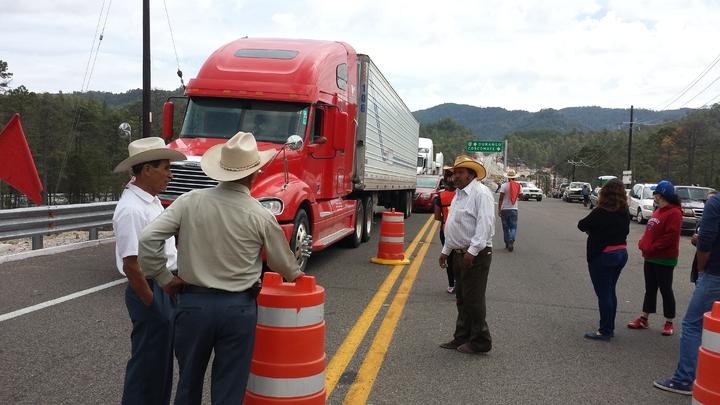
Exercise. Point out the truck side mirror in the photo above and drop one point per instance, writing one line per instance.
(340, 131)
(168, 113)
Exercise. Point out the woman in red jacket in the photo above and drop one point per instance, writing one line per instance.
(660, 246)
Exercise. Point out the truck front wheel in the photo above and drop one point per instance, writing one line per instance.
(301, 229)
(405, 202)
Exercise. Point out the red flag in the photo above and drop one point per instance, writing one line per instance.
(17, 166)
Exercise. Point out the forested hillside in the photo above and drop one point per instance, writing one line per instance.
(496, 123)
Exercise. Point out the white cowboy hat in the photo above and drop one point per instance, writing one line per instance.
(472, 164)
(146, 150)
(511, 174)
(235, 159)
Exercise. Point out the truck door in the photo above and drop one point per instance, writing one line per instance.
(323, 161)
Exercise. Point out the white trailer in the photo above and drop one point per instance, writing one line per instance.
(386, 142)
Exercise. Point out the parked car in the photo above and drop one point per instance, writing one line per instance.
(692, 199)
(426, 189)
(573, 192)
(530, 191)
(559, 190)
(594, 196)
(640, 202)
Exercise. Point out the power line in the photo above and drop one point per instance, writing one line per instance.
(172, 38)
(693, 82)
(701, 91)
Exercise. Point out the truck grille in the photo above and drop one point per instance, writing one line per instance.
(187, 176)
(698, 212)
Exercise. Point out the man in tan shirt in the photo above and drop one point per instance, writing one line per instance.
(221, 233)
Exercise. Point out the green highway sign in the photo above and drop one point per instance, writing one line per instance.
(484, 146)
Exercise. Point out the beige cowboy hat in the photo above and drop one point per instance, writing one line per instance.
(472, 164)
(146, 150)
(235, 159)
(511, 174)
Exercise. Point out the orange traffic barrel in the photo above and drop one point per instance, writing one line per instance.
(288, 364)
(391, 248)
(706, 390)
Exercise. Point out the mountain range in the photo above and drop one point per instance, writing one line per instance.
(496, 122)
(484, 122)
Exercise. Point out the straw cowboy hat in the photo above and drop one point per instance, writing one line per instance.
(472, 164)
(447, 168)
(235, 159)
(146, 150)
(511, 174)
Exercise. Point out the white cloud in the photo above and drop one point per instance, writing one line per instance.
(516, 55)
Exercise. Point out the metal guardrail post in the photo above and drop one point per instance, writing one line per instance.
(93, 234)
(37, 242)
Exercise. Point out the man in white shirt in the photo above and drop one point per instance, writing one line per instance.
(148, 376)
(468, 240)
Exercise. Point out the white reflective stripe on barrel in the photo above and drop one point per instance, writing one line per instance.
(290, 317)
(393, 218)
(392, 239)
(711, 341)
(286, 387)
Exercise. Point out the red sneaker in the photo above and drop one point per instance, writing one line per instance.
(668, 329)
(640, 323)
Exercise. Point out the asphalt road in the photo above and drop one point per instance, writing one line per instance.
(540, 302)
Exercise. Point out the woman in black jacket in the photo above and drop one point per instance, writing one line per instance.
(607, 227)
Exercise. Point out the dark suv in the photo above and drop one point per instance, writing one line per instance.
(693, 200)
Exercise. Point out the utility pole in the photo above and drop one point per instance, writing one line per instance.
(630, 140)
(147, 114)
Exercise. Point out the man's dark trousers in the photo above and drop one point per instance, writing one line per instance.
(470, 285)
(149, 372)
(217, 321)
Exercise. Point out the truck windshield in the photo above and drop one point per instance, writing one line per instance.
(224, 117)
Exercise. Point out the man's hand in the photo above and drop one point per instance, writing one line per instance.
(173, 287)
(694, 239)
(468, 259)
(146, 297)
(443, 261)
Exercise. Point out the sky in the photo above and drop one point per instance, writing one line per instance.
(526, 55)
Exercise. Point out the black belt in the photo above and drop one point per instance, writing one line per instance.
(460, 251)
(196, 289)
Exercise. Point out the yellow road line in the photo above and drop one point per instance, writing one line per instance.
(360, 390)
(352, 341)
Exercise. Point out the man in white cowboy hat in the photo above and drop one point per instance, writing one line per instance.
(221, 233)
(510, 193)
(468, 244)
(148, 376)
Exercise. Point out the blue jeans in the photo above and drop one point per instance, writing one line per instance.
(707, 291)
(604, 272)
(509, 223)
(223, 323)
(149, 372)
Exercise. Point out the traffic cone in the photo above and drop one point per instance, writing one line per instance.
(288, 364)
(706, 390)
(391, 248)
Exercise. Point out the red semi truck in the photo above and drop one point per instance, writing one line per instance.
(345, 141)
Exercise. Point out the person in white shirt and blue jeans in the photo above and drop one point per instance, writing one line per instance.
(148, 376)
(468, 240)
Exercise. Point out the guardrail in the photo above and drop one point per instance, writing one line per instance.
(36, 222)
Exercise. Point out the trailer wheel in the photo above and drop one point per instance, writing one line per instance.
(369, 216)
(301, 229)
(354, 239)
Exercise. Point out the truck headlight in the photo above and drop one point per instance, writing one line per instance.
(273, 205)
(687, 212)
(648, 207)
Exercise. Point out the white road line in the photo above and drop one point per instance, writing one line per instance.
(14, 314)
